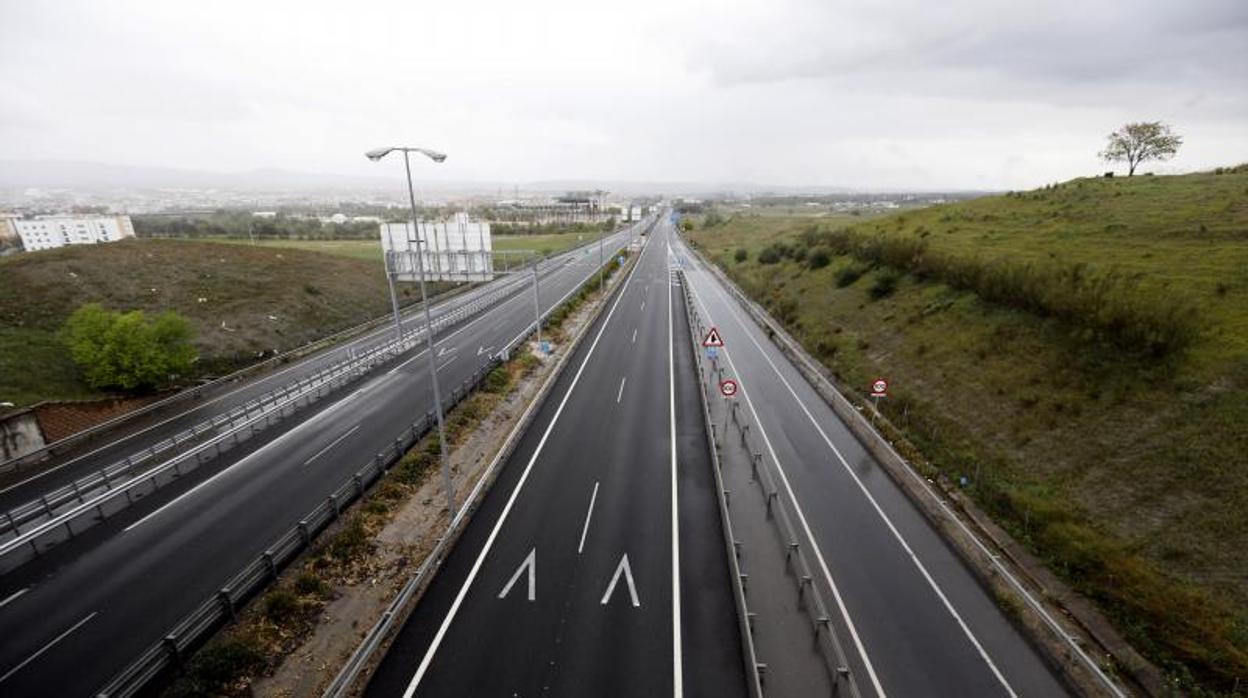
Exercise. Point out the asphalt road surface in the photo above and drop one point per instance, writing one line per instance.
(913, 619)
(73, 618)
(596, 563)
(220, 399)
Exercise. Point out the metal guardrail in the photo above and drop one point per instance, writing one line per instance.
(97, 496)
(196, 626)
(224, 604)
(808, 591)
(19, 463)
(359, 661)
(750, 657)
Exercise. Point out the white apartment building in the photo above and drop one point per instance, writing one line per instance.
(47, 232)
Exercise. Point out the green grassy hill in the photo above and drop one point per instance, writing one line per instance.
(1081, 352)
(242, 300)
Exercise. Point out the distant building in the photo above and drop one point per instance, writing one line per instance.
(48, 232)
(10, 242)
(264, 214)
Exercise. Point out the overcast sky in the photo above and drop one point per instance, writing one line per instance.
(896, 93)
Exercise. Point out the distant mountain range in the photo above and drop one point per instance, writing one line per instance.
(19, 175)
(47, 174)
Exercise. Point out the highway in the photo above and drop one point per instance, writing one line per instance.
(913, 619)
(76, 616)
(218, 400)
(596, 564)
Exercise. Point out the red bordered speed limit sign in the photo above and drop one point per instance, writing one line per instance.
(879, 388)
(728, 388)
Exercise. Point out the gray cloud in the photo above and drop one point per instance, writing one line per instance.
(873, 94)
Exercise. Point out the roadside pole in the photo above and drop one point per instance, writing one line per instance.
(537, 309)
(433, 363)
(391, 260)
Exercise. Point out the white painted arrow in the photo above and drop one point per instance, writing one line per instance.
(531, 563)
(628, 577)
(443, 351)
(481, 350)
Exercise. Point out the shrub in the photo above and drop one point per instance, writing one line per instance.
(849, 274)
(310, 584)
(885, 284)
(819, 258)
(741, 255)
(770, 255)
(496, 381)
(215, 667)
(350, 543)
(311, 290)
(126, 350)
(280, 605)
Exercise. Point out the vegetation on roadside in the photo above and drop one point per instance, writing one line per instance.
(1080, 354)
(243, 303)
(128, 351)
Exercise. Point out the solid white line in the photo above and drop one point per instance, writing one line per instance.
(620, 394)
(333, 443)
(879, 510)
(447, 363)
(588, 515)
(643, 304)
(801, 516)
(502, 518)
(298, 428)
(47, 647)
(355, 346)
(13, 596)
(678, 680)
(634, 335)
(875, 505)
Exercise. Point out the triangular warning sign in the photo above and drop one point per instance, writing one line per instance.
(713, 339)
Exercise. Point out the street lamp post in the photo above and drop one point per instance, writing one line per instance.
(376, 155)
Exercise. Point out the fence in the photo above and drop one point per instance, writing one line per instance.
(1075, 658)
(224, 604)
(20, 463)
(752, 666)
(93, 498)
(778, 513)
(196, 626)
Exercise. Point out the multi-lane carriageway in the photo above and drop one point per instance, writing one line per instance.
(74, 617)
(595, 565)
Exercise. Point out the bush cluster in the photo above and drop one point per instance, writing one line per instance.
(126, 350)
(1105, 305)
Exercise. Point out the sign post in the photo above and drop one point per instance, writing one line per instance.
(879, 389)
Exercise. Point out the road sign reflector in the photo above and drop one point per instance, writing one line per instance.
(713, 339)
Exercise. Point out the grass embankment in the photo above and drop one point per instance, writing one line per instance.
(370, 250)
(241, 300)
(1081, 353)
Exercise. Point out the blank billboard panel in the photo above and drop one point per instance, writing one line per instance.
(455, 250)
